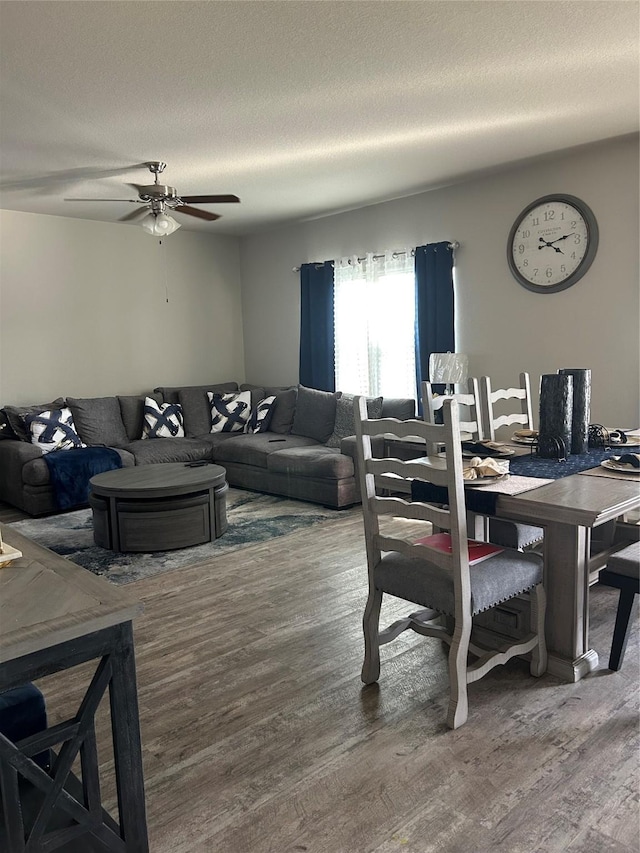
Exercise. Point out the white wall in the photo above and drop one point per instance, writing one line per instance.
(502, 326)
(84, 311)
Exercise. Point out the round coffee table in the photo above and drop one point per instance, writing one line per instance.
(158, 507)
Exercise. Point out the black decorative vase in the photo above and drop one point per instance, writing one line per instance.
(581, 407)
(556, 412)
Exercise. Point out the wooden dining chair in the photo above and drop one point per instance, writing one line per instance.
(511, 534)
(521, 414)
(436, 573)
(623, 573)
(432, 405)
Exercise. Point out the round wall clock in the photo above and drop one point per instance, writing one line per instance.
(552, 243)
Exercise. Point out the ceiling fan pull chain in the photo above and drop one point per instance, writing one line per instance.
(166, 278)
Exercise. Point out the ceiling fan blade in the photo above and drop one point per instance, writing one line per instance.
(119, 200)
(194, 211)
(209, 199)
(134, 214)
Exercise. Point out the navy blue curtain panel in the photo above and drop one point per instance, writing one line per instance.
(317, 332)
(434, 306)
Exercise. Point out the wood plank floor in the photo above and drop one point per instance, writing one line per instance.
(258, 735)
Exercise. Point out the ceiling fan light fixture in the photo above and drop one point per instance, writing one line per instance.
(159, 224)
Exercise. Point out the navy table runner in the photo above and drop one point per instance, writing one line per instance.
(71, 470)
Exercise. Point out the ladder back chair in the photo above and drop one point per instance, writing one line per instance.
(511, 534)
(436, 575)
(522, 415)
(433, 403)
(622, 572)
(526, 535)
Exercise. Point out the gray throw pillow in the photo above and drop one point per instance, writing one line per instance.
(345, 421)
(132, 411)
(98, 420)
(315, 415)
(196, 411)
(15, 415)
(284, 409)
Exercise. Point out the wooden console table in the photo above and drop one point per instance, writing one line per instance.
(55, 615)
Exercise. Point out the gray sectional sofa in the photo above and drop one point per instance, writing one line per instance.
(306, 453)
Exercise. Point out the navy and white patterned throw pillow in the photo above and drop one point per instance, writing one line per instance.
(53, 429)
(230, 412)
(261, 415)
(162, 420)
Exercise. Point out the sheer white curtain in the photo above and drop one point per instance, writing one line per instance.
(374, 299)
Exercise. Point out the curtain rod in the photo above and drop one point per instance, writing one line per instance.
(453, 246)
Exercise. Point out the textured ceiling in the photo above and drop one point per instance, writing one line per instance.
(300, 108)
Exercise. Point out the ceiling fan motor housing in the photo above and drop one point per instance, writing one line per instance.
(159, 192)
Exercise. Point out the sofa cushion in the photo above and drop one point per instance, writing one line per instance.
(230, 412)
(169, 450)
(162, 420)
(15, 417)
(247, 449)
(196, 411)
(53, 429)
(345, 424)
(132, 412)
(402, 408)
(319, 461)
(315, 414)
(98, 420)
(172, 395)
(284, 409)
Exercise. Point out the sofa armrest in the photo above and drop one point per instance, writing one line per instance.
(13, 457)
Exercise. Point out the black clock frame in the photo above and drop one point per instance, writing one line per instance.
(592, 243)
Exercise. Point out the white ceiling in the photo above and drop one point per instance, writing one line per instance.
(300, 108)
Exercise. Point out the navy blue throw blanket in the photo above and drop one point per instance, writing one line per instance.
(531, 465)
(71, 470)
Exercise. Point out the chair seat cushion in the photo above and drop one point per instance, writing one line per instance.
(512, 535)
(493, 580)
(627, 561)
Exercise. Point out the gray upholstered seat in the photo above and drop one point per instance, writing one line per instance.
(623, 573)
(627, 561)
(493, 580)
(320, 461)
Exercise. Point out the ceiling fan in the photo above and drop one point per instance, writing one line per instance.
(158, 198)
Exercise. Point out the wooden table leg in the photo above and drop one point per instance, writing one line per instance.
(566, 554)
(127, 747)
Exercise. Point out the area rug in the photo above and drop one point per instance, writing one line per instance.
(253, 518)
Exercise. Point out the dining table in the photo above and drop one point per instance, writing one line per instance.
(571, 500)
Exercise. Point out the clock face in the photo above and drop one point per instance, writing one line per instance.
(552, 243)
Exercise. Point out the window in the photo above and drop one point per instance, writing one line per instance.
(374, 305)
